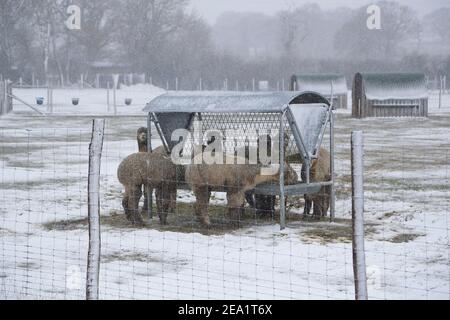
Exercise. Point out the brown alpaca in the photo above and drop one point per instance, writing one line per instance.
(142, 140)
(152, 169)
(234, 179)
(320, 172)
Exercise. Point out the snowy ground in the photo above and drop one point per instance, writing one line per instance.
(43, 213)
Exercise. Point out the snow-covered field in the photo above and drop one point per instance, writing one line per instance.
(43, 211)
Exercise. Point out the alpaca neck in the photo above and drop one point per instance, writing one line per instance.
(143, 147)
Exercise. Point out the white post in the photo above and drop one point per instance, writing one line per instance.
(51, 100)
(116, 83)
(237, 85)
(445, 84)
(282, 84)
(93, 259)
(82, 81)
(176, 84)
(115, 100)
(201, 85)
(440, 92)
(254, 84)
(107, 96)
(359, 259)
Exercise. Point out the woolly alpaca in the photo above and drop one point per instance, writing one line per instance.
(320, 172)
(234, 179)
(152, 169)
(142, 140)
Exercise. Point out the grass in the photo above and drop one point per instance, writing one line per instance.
(185, 221)
(404, 237)
(28, 266)
(340, 231)
(55, 183)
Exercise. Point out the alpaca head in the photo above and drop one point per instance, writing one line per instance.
(290, 176)
(142, 135)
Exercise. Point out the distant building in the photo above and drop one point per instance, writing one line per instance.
(389, 95)
(325, 84)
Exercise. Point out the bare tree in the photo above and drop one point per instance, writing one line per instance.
(439, 22)
(398, 23)
(11, 22)
(146, 26)
(99, 22)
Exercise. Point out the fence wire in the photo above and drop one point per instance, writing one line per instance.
(44, 235)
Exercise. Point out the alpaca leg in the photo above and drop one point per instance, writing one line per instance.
(148, 191)
(317, 206)
(326, 201)
(165, 198)
(251, 199)
(265, 205)
(173, 198)
(135, 196)
(308, 205)
(235, 202)
(202, 195)
(126, 203)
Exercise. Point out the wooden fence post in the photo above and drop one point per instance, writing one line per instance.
(359, 260)
(93, 261)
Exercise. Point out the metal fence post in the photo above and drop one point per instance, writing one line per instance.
(332, 169)
(93, 260)
(359, 260)
(281, 168)
(149, 149)
(107, 97)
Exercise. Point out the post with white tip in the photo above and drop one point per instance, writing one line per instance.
(93, 260)
(359, 259)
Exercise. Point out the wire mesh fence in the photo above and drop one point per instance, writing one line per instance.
(44, 224)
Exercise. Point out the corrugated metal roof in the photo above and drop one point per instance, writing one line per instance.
(321, 83)
(226, 101)
(385, 86)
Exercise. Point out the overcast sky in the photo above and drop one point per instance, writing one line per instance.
(211, 9)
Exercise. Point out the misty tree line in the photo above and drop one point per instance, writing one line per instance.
(165, 40)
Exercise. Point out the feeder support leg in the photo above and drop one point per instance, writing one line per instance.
(282, 197)
(149, 197)
(332, 189)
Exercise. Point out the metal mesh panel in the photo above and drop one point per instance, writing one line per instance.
(247, 127)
